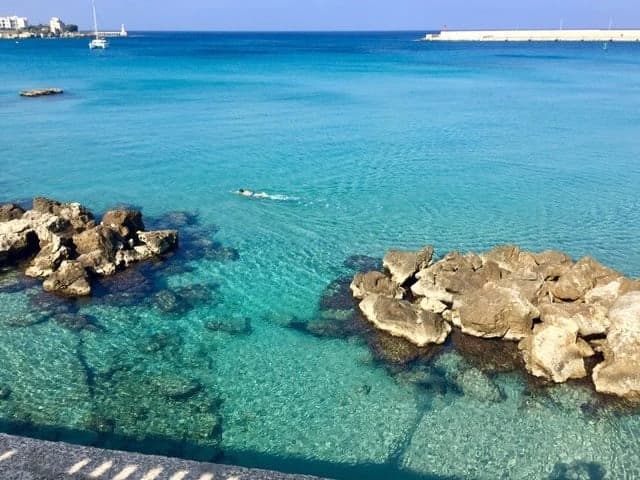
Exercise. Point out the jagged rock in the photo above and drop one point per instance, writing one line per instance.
(125, 222)
(97, 248)
(555, 352)
(159, 242)
(10, 211)
(495, 311)
(619, 373)
(581, 277)
(403, 265)
(48, 259)
(77, 215)
(424, 287)
(48, 227)
(375, 283)
(456, 274)
(430, 304)
(70, 279)
(402, 319)
(17, 240)
(590, 319)
(552, 264)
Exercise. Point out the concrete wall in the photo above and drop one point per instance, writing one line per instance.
(536, 36)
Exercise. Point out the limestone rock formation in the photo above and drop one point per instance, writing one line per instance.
(555, 352)
(69, 246)
(70, 279)
(48, 259)
(561, 312)
(619, 374)
(126, 222)
(376, 283)
(17, 240)
(10, 211)
(403, 265)
(402, 319)
(159, 242)
(496, 311)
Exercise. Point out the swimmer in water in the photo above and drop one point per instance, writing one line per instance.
(264, 195)
(251, 193)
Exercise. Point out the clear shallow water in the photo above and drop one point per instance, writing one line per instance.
(385, 142)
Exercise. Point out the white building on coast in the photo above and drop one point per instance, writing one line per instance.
(13, 23)
(56, 26)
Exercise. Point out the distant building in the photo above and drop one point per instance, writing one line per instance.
(56, 26)
(13, 23)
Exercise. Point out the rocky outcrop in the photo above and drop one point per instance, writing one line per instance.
(17, 240)
(96, 249)
(41, 92)
(377, 283)
(619, 373)
(555, 352)
(403, 265)
(48, 259)
(495, 311)
(126, 222)
(561, 312)
(159, 242)
(402, 319)
(70, 279)
(69, 247)
(10, 211)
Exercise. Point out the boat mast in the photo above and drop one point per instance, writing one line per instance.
(95, 20)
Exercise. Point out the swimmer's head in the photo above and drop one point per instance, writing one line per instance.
(241, 190)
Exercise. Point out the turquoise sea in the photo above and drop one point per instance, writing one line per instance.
(371, 141)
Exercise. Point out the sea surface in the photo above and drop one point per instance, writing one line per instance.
(368, 141)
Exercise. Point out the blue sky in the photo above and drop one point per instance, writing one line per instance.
(332, 14)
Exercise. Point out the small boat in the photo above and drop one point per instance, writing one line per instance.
(97, 42)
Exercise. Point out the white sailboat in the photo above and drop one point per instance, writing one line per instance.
(97, 42)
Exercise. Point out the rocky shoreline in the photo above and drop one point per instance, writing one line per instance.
(65, 247)
(562, 313)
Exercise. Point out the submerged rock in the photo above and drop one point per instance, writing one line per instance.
(234, 326)
(5, 391)
(74, 322)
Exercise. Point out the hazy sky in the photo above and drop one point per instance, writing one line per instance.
(332, 14)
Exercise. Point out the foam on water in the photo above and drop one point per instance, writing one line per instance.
(364, 142)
